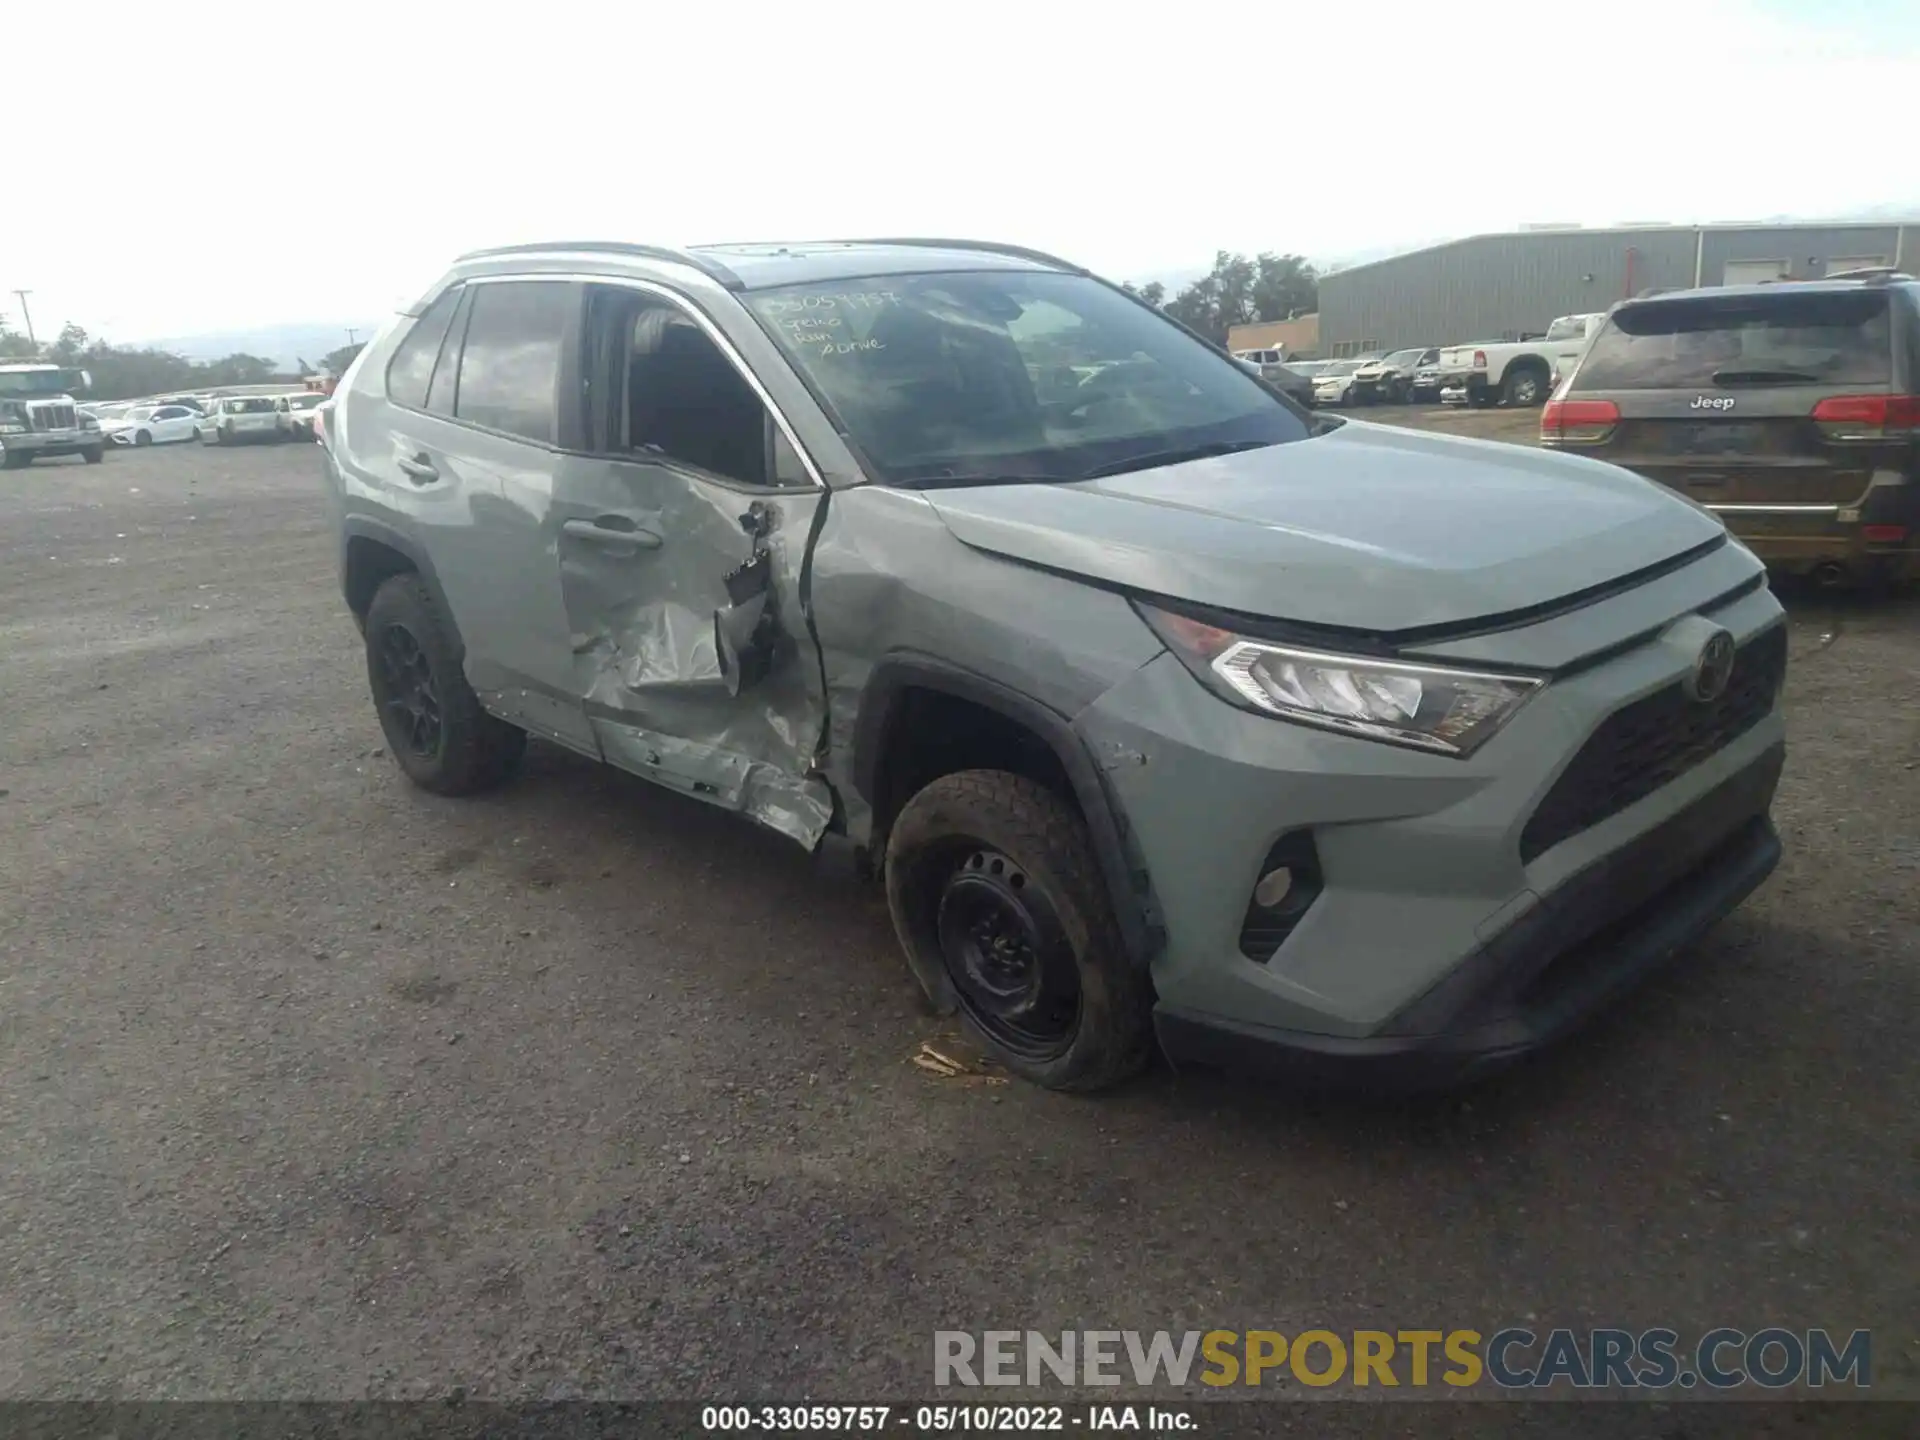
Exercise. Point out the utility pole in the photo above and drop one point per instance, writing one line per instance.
(27, 315)
(353, 337)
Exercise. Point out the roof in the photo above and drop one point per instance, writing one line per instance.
(758, 265)
(1560, 232)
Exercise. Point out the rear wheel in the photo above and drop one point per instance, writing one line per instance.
(997, 899)
(1525, 386)
(434, 723)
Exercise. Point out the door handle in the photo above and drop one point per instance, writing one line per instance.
(419, 469)
(612, 530)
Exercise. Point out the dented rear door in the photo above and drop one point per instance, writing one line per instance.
(682, 589)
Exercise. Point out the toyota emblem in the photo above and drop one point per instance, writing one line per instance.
(1712, 669)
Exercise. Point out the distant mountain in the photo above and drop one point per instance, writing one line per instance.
(285, 345)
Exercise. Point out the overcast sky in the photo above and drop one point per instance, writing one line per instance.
(230, 165)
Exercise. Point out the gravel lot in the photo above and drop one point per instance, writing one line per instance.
(317, 1086)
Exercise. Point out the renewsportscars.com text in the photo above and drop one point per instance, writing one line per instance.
(1511, 1359)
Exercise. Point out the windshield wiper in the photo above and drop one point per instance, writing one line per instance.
(1154, 459)
(1764, 377)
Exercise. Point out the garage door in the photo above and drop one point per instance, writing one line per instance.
(1755, 272)
(1854, 262)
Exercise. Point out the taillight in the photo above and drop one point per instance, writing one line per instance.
(1867, 417)
(1883, 534)
(1578, 422)
(1479, 359)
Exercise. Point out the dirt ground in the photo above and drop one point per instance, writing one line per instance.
(318, 1086)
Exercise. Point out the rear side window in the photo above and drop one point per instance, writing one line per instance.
(510, 364)
(412, 364)
(1786, 338)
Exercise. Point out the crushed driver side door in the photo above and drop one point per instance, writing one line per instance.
(681, 527)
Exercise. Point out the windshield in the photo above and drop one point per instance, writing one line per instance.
(1014, 375)
(249, 404)
(1786, 338)
(1404, 357)
(38, 382)
(1570, 327)
(305, 402)
(1341, 367)
(142, 412)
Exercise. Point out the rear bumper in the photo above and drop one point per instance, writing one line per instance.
(1601, 932)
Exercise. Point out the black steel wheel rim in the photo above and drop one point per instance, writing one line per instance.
(1008, 956)
(409, 697)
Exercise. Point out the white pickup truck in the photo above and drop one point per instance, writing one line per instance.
(1521, 372)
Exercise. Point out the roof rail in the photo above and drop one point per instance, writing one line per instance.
(993, 247)
(713, 269)
(1872, 274)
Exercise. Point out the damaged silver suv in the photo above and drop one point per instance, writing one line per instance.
(1166, 711)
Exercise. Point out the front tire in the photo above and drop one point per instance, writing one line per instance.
(998, 902)
(143, 437)
(17, 459)
(94, 454)
(434, 724)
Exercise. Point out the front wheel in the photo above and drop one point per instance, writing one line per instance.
(143, 437)
(998, 902)
(433, 721)
(93, 454)
(17, 459)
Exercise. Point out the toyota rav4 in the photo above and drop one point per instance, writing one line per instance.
(1163, 710)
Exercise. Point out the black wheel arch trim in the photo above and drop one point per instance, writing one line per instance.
(1127, 885)
(365, 527)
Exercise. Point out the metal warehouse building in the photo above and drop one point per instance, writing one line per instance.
(1500, 287)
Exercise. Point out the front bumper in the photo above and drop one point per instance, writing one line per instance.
(1589, 942)
(52, 442)
(1425, 864)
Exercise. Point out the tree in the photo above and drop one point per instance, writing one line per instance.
(1153, 292)
(240, 368)
(71, 345)
(1239, 291)
(15, 346)
(335, 362)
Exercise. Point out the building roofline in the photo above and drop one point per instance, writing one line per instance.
(1912, 221)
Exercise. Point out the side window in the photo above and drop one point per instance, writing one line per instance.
(442, 392)
(510, 364)
(680, 397)
(412, 363)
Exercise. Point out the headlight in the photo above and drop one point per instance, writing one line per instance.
(1425, 707)
(7, 427)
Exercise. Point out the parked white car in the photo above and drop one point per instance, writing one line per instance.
(151, 425)
(1517, 372)
(1334, 384)
(238, 418)
(301, 408)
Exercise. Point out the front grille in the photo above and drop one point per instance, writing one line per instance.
(1653, 742)
(52, 417)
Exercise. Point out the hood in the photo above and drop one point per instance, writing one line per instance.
(1368, 527)
(1333, 379)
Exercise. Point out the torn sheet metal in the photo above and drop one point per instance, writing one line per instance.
(798, 807)
(693, 655)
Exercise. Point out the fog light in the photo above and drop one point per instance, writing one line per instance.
(1289, 883)
(1273, 888)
